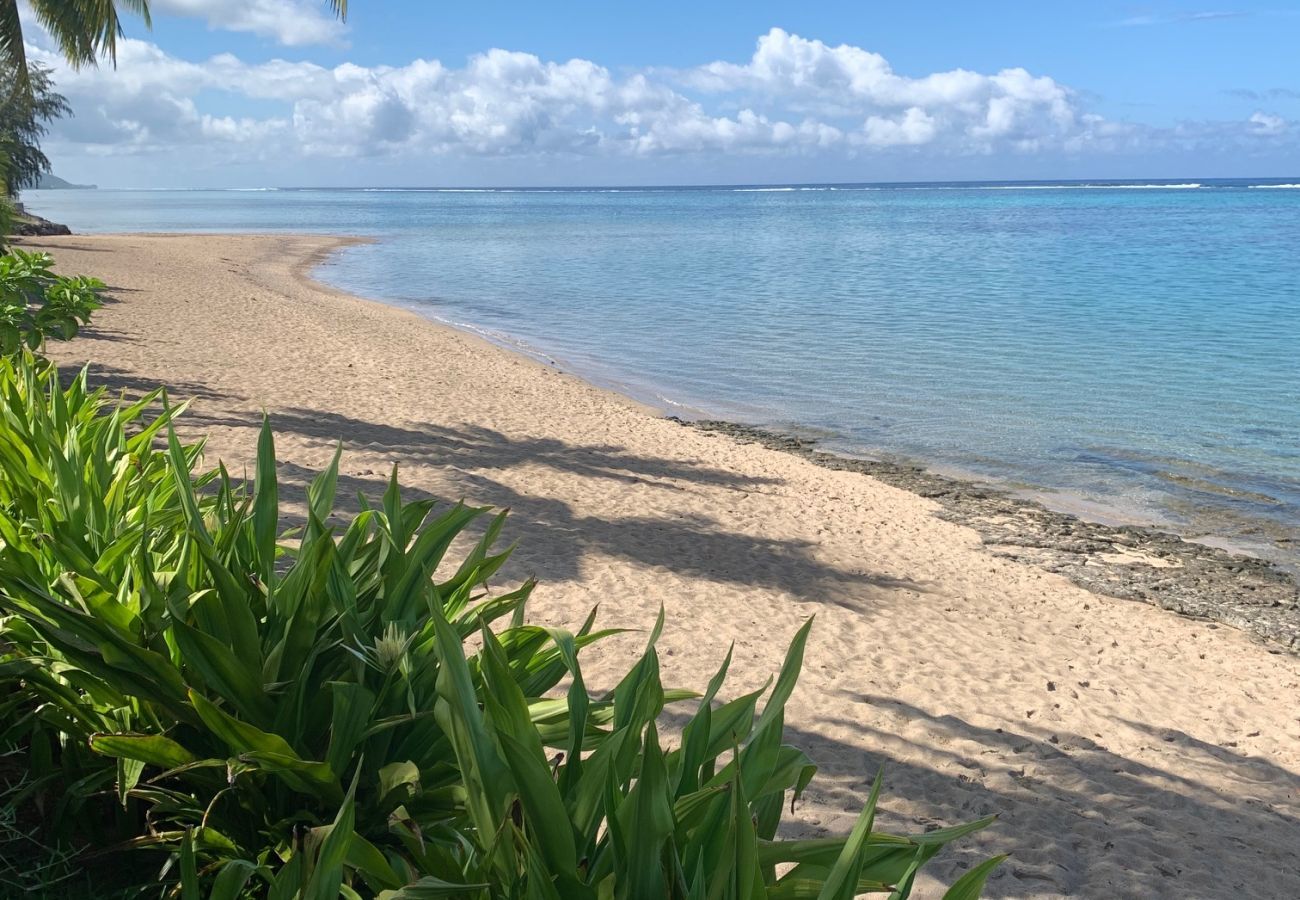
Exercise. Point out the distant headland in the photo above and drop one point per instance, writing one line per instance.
(49, 182)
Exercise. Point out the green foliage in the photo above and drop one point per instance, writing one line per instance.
(345, 711)
(79, 484)
(7, 212)
(25, 111)
(37, 305)
(83, 29)
(620, 815)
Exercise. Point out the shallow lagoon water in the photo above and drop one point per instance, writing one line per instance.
(1132, 346)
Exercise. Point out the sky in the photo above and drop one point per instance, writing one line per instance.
(252, 93)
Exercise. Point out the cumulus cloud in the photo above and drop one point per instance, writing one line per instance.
(793, 96)
(1265, 124)
(969, 108)
(293, 23)
(500, 103)
(915, 126)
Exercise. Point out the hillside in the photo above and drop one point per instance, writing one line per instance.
(55, 183)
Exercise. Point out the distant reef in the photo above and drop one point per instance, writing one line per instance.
(55, 183)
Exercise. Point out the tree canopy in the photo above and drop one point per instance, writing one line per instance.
(25, 112)
(85, 30)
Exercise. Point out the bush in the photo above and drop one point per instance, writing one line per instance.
(314, 714)
(36, 305)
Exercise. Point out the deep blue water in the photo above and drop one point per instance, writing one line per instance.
(1134, 345)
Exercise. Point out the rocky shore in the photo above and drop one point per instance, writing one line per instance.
(28, 225)
(1129, 562)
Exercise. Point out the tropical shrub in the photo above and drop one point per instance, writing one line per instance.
(37, 305)
(152, 624)
(631, 819)
(318, 714)
(78, 482)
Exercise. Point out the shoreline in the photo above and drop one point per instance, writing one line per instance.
(1127, 751)
(1145, 562)
(1130, 562)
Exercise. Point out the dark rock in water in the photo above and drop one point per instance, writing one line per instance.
(1130, 562)
(28, 225)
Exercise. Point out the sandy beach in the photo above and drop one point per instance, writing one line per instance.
(1129, 751)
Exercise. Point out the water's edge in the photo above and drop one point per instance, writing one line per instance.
(1131, 562)
(1146, 563)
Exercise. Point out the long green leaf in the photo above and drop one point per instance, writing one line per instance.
(971, 885)
(842, 882)
(266, 505)
(153, 749)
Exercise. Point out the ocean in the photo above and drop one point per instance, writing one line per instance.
(1126, 349)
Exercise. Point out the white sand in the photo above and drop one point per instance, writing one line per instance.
(1130, 753)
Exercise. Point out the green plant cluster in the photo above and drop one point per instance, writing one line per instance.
(37, 305)
(347, 709)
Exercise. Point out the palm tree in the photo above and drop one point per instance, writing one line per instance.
(84, 29)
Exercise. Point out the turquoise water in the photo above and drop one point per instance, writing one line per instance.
(1134, 346)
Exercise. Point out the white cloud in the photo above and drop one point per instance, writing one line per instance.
(293, 23)
(914, 127)
(1265, 124)
(792, 97)
(968, 107)
(500, 103)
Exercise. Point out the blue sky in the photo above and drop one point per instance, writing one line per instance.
(252, 92)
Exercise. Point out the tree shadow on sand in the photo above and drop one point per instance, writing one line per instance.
(128, 384)
(485, 449)
(36, 243)
(555, 542)
(1079, 819)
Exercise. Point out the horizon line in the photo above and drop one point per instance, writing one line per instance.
(662, 186)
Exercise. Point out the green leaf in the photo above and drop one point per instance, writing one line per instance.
(305, 776)
(153, 749)
(266, 505)
(353, 706)
(647, 818)
(231, 878)
(190, 889)
(486, 777)
(842, 882)
(971, 885)
(223, 672)
(548, 827)
(180, 467)
(401, 777)
(269, 751)
(321, 491)
(430, 888)
(327, 871)
(786, 681)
